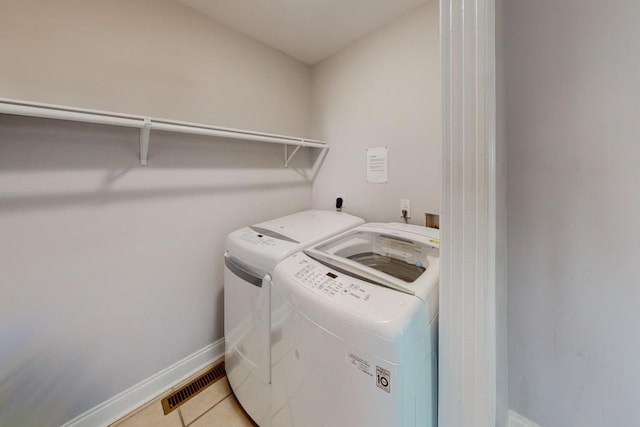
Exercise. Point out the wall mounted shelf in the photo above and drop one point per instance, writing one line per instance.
(147, 124)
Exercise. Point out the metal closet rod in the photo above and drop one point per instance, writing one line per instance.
(145, 124)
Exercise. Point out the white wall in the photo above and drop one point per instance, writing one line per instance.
(573, 206)
(110, 272)
(149, 57)
(384, 90)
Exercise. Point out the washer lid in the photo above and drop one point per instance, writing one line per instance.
(308, 226)
(265, 244)
(387, 255)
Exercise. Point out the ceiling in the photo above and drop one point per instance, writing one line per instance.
(309, 30)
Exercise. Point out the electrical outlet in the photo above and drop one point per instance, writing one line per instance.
(405, 204)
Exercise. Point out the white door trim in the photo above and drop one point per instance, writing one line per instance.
(468, 393)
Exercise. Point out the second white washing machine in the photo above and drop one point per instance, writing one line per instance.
(251, 255)
(354, 338)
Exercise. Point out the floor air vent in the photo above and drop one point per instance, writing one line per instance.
(194, 387)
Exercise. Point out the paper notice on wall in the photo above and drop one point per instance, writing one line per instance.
(377, 165)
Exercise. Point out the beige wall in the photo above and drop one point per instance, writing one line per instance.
(149, 57)
(572, 94)
(110, 272)
(384, 90)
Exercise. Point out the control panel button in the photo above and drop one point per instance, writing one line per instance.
(322, 280)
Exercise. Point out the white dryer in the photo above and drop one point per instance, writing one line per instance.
(354, 342)
(252, 253)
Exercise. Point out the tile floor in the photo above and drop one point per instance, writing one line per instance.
(215, 406)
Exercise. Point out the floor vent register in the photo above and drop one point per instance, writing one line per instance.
(198, 384)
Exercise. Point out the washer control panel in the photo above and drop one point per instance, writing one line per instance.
(320, 278)
(257, 239)
(300, 274)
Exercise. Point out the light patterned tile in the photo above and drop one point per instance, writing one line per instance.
(151, 415)
(227, 413)
(205, 400)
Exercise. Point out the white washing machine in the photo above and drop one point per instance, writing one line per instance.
(252, 253)
(354, 340)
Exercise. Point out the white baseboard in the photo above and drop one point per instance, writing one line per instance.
(148, 389)
(517, 420)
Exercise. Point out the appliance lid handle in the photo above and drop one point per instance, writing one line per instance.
(242, 271)
(272, 233)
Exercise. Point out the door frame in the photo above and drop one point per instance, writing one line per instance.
(472, 386)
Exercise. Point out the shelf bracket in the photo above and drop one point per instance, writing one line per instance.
(288, 158)
(144, 141)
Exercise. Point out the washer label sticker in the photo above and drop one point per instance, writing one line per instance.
(383, 379)
(358, 362)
